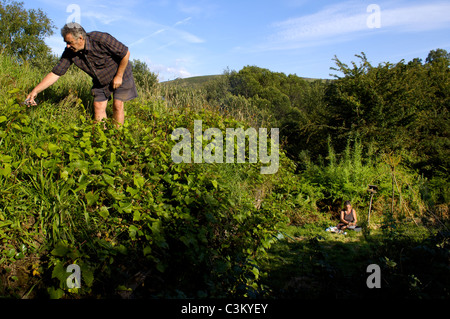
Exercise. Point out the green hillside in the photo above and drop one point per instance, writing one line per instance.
(193, 82)
(197, 82)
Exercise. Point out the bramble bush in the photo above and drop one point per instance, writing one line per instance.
(113, 201)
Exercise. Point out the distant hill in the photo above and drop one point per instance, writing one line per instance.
(199, 81)
(195, 81)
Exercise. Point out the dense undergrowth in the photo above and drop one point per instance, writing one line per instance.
(113, 201)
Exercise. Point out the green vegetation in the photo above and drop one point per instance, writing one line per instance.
(23, 31)
(112, 201)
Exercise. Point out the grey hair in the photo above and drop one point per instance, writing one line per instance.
(73, 28)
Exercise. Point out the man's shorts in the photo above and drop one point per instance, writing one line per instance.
(127, 91)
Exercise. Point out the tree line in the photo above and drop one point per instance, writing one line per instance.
(392, 108)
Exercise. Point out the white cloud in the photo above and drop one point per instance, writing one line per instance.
(333, 20)
(348, 20)
(142, 40)
(170, 69)
(171, 34)
(189, 37)
(102, 17)
(199, 8)
(166, 73)
(182, 21)
(424, 17)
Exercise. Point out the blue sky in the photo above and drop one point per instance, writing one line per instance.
(180, 38)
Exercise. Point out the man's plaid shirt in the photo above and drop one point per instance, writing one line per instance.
(100, 59)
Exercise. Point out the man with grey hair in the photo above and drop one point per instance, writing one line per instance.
(105, 59)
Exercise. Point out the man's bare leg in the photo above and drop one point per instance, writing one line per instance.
(100, 110)
(118, 111)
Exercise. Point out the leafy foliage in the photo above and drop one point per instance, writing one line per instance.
(395, 107)
(22, 31)
(142, 74)
(112, 201)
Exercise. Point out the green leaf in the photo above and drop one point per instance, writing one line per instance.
(15, 90)
(5, 158)
(64, 175)
(6, 170)
(136, 216)
(133, 231)
(104, 212)
(60, 250)
(122, 249)
(139, 181)
(147, 250)
(132, 191)
(5, 223)
(55, 293)
(255, 271)
(81, 165)
(3, 118)
(126, 207)
(114, 194)
(214, 182)
(91, 198)
(11, 253)
(39, 152)
(108, 179)
(53, 147)
(87, 274)
(60, 272)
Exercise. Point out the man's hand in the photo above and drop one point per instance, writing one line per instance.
(117, 82)
(30, 99)
(118, 79)
(47, 81)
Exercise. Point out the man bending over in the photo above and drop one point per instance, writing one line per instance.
(105, 59)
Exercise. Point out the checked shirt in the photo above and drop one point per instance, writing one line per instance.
(100, 59)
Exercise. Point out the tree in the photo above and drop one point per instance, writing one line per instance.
(401, 108)
(22, 32)
(436, 55)
(142, 74)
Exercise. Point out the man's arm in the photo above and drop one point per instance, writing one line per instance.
(46, 82)
(118, 78)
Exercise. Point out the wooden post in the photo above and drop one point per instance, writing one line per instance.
(372, 190)
(370, 207)
(393, 190)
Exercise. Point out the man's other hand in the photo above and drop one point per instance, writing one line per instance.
(117, 82)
